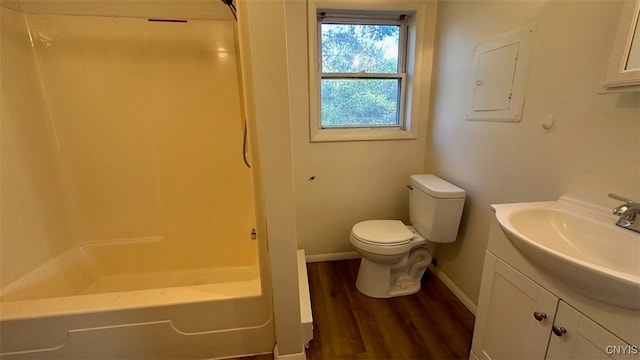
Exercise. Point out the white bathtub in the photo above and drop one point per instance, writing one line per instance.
(96, 301)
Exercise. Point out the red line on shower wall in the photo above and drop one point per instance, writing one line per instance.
(169, 20)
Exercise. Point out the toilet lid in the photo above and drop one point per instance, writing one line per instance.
(382, 232)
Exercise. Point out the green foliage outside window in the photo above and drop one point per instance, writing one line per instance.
(360, 49)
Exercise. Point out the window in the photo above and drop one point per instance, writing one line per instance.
(369, 68)
(362, 70)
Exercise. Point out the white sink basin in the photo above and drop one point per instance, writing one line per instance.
(579, 245)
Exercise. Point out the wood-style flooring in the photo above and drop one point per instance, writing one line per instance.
(432, 324)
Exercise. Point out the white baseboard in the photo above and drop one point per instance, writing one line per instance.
(455, 290)
(332, 256)
(306, 314)
(295, 356)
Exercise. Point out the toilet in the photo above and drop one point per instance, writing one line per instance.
(395, 255)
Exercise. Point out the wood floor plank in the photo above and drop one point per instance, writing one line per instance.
(431, 324)
(336, 334)
(372, 334)
(434, 324)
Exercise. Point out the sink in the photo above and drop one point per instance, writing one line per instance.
(578, 244)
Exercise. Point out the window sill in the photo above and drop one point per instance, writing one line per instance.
(326, 135)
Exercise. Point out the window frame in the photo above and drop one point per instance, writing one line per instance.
(367, 18)
(419, 57)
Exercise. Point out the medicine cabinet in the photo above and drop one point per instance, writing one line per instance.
(623, 68)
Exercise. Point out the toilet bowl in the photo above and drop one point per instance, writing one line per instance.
(395, 255)
(389, 265)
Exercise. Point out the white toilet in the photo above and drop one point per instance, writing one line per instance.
(395, 255)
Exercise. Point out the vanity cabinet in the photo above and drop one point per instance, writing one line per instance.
(515, 315)
(575, 336)
(519, 319)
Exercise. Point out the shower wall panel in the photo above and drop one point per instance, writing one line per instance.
(34, 211)
(149, 121)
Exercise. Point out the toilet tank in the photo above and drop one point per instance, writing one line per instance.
(435, 208)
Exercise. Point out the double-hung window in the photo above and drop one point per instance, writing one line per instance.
(369, 68)
(362, 70)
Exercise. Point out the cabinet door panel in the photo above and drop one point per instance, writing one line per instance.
(506, 327)
(584, 339)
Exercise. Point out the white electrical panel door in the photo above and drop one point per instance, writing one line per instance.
(494, 78)
(500, 71)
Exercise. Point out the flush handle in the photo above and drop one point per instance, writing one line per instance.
(410, 187)
(539, 315)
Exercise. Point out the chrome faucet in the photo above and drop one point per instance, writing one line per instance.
(628, 213)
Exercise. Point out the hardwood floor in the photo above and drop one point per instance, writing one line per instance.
(431, 324)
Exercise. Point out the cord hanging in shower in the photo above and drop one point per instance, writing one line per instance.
(244, 146)
(232, 7)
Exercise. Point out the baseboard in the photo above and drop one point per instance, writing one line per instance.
(332, 256)
(473, 356)
(470, 305)
(295, 356)
(306, 314)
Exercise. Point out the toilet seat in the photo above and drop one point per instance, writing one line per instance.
(382, 232)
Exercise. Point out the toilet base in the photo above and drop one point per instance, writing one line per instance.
(378, 280)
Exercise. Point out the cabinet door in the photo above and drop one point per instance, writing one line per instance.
(506, 327)
(578, 337)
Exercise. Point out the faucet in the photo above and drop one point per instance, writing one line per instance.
(627, 212)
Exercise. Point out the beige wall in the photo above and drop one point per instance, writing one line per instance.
(263, 40)
(593, 148)
(356, 180)
(35, 225)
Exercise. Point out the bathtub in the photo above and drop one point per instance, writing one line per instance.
(79, 305)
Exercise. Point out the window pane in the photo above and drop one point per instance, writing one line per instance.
(350, 48)
(359, 102)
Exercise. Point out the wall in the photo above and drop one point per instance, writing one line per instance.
(352, 181)
(265, 50)
(593, 148)
(34, 225)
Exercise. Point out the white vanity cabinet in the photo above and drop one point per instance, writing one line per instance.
(524, 313)
(515, 314)
(575, 336)
(518, 319)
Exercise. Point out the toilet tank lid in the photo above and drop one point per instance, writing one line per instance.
(436, 187)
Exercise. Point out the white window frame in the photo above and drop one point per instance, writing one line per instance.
(415, 81)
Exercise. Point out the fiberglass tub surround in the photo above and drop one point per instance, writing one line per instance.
(126, 207)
